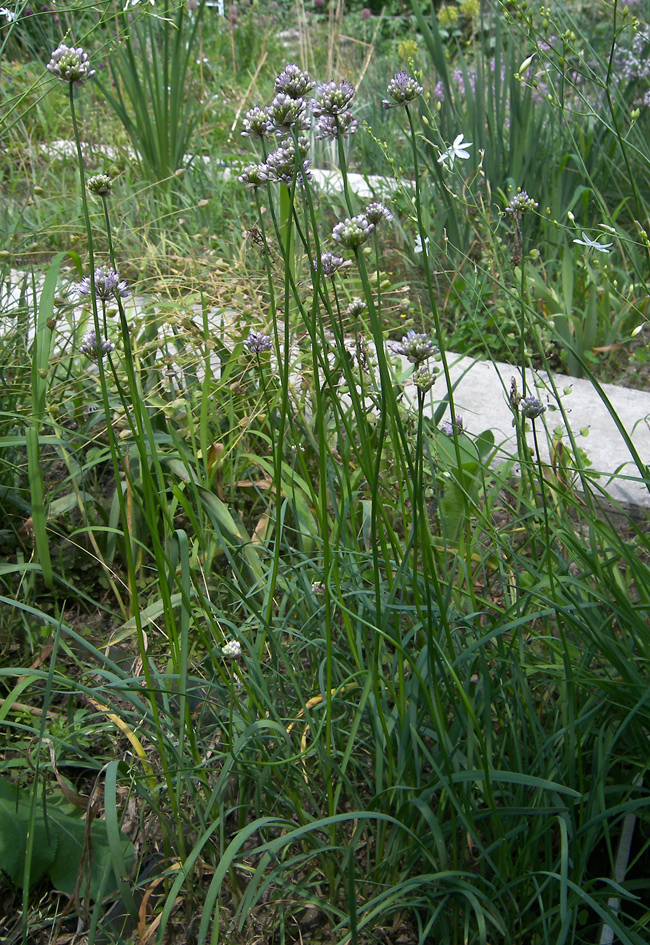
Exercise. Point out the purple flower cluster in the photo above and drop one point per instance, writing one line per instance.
(70, 64)
(414, 346)
(402, 89)
(287, 115)
(93, 347)
(257, 342)
(329, 263)
(107, 285)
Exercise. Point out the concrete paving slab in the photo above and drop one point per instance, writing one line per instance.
(481, 397)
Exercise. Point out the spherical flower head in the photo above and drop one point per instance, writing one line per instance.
(521, 203)
(531, 407)
(353, 233)
(329, 263)
(286, 113)
(281, 163)
(257, 123)
(331, 127)
(356, 308)
(232, 650)
(293, 81)
(402, 89)
(100, 185)
(107, 285)
(448, 426)
(70, 65)
(376, 212)
(424, 379)
(257, 342)
(254, 175)
(414, 346)
(332, 98)
(93, 347)
(318, 588)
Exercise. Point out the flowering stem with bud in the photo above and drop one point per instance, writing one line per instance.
(115, 459)
(439, 334)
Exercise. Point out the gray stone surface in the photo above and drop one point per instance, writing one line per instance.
(481, 396)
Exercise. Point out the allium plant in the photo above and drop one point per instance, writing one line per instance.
(402, 90)
(414, 346)
(353, 232)
(107, 284)
(294, 82)
(257, 342)
(93, 346)
(70, 65)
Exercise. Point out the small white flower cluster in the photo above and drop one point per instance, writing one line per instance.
(232, 650)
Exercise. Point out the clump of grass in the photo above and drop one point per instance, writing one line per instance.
(342, 668)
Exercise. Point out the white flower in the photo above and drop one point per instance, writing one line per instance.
(418, 244)
(8, 14)
(593, 245)
(136, 3)
(456, 150)
(232, 650)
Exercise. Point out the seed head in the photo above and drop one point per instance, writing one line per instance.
(401, 90)
(70, 65)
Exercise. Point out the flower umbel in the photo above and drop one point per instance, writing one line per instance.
(93, 347)
(353, 232)
(424, 378)
(294, 82)
(70, 65)
(521, 203)
(100, 185)
(257, 123)
(531, 407)
(402, 89)
(254, 175)
(332, 98)
(414, 346)
(257, 342)
(456, 150)
(375, 212)
(232, 650)
(329, 263)
(448, 426)
(107, 285)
